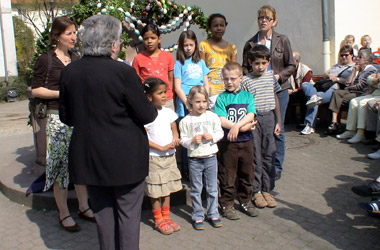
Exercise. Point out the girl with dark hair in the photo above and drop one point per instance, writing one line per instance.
(216, 52)
(164, 177)
(45, 85)
(189, 70)
(154, 62)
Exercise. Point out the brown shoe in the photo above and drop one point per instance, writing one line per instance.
(271, 202)
(259, 200)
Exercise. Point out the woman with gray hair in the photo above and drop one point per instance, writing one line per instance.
(356, 85)
(104, 100)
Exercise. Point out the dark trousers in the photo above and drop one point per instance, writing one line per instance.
(264, 150)
(341, 97)
(117, 211)
(235, 160)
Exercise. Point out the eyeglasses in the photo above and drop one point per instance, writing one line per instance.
(344, 55)
(232, 79)
(261, 18)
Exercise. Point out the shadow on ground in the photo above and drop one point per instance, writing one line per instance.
(346, 226)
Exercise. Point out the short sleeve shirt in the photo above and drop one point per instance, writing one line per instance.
(147, 67)
(263, 89)
(235, 106)
(160, 131)
(215, 59)
(191, 74)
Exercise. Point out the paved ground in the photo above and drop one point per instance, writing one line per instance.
(317, 209)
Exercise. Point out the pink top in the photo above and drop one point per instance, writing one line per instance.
(159, 67)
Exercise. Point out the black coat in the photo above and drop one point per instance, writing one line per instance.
(104, 100)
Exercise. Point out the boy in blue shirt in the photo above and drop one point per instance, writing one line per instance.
(264, 86)
(236, 110)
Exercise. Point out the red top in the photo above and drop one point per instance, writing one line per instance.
(159, 67)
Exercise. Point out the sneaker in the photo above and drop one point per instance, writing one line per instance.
(216, 222)
(249, 209)
(230, 213)
(369, 190)
(375, 155)
(356, 139)
(314, 100)
(373, 206)
(346, 135)
(307, 130)
(198, 225)
(259, 200)
(270, 200)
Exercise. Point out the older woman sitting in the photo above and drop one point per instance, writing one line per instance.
(104, 100)
(357, 112)
(356, 86)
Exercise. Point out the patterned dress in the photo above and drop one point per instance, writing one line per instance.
(215, 59)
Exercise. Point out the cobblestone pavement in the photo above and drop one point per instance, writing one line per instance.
(316, 210)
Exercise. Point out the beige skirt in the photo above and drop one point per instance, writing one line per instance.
(164, 177)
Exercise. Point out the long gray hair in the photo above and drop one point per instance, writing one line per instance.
(98, 33)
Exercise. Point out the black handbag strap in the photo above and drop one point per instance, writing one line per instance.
(343, 71)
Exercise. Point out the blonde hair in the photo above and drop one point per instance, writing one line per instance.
(265, 9)
(233, 66)
(363, 37)
(195, 90)
(349, 37)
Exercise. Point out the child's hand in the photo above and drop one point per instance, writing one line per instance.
(233, 134)
(277, 129)
(176, 142)
(207, 136)
(167, 147)
(197, 139)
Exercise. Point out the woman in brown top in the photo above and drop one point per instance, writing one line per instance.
(45, 85)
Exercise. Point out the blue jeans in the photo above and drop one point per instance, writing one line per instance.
(309, 90)
(203, 169)
(283, 98)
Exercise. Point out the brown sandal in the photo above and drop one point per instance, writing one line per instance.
(72, 229)
(163, 227)
(174, 226)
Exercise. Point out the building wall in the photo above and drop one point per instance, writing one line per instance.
(300, 20)
(9, 41)
(358, 20)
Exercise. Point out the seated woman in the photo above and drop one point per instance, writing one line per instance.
(372, 123)
(338, 74)
(357, 111)
(357, 86)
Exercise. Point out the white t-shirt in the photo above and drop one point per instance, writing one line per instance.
(160, 131)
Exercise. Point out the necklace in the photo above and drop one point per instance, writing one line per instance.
(65, 59)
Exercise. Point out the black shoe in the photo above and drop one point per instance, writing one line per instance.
(333, 129)
(278, 175)
(370, 190)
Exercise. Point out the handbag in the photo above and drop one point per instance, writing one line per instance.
(323, 85)
(40, 105)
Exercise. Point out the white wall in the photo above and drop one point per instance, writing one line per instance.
(358, 19)
(9, 41)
